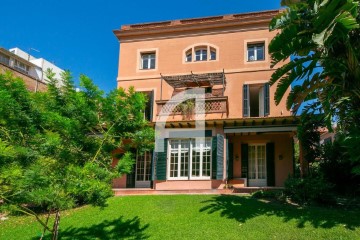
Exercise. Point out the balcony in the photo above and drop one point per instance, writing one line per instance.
(210, 105)
(212, 100)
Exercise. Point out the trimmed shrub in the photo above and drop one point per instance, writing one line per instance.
(309, 190)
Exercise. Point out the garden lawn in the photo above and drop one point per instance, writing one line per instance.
(193, 217)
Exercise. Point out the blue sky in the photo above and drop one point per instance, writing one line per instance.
(77, 35)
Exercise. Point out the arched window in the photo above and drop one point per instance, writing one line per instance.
(200, 53)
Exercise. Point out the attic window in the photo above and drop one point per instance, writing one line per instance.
(201, 53)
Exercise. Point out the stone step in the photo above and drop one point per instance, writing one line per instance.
(148, 191)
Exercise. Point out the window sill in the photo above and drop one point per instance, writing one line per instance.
(256, 61)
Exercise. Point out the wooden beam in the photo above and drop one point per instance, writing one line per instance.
(214, 123)
(189, 125)
(180, 125)
(224, 123)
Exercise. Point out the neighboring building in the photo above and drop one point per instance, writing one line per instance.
(247, 140)
(21, 68)
(42, 65)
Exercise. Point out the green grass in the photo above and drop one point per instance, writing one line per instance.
(194, 217)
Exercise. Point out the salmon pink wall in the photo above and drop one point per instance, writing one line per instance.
(283, 146)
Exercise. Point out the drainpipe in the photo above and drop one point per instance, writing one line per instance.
(161, 87)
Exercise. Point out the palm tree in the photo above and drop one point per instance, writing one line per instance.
(322, 37)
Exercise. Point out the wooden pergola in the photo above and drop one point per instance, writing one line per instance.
(195, 80)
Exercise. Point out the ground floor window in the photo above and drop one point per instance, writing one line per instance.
(189, 159)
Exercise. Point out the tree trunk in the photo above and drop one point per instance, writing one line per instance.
(46, 223)
(304, 165)
(56, 225)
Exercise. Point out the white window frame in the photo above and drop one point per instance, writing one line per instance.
(149, 56)
(256, 47)
(256, 162)
(189, 177)
(201, 46)
(201, 50)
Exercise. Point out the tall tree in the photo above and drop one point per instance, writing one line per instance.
(323, 39)
(55, 146)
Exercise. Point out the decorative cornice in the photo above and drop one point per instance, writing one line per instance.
(192, 24)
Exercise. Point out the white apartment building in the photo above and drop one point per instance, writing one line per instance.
(41, 65)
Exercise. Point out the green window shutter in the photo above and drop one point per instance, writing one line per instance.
(266, 99)
(244, 160)
(270, 164)
(230, 162)
(214, 157)
(162, 162)
(153, 164)
(246, 100)
(220, 157)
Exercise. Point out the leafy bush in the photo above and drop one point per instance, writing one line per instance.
(339, 163)
(310, 189)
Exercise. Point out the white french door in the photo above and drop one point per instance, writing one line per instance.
(189, 159)
(257, 165)
(143, 170)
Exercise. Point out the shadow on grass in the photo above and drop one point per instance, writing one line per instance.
(244, 208)
(115, 229)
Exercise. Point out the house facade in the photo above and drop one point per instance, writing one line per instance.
(209, 101)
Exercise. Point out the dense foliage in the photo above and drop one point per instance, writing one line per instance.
(56, 146)
(322, 38)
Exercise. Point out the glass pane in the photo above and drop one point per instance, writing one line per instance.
(204, 55)
(184, 160)
(173, 164)
(152, 63)
(251, 54)
(140, 168)
(260, 53)
(252, 166)
(198, 55)
(213, 55)
(144, 63)
(196, 164)
(189, 57)
(206, 163)
(261, 162)
(147, 166)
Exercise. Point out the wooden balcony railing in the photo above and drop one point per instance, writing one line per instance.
(210, 105)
